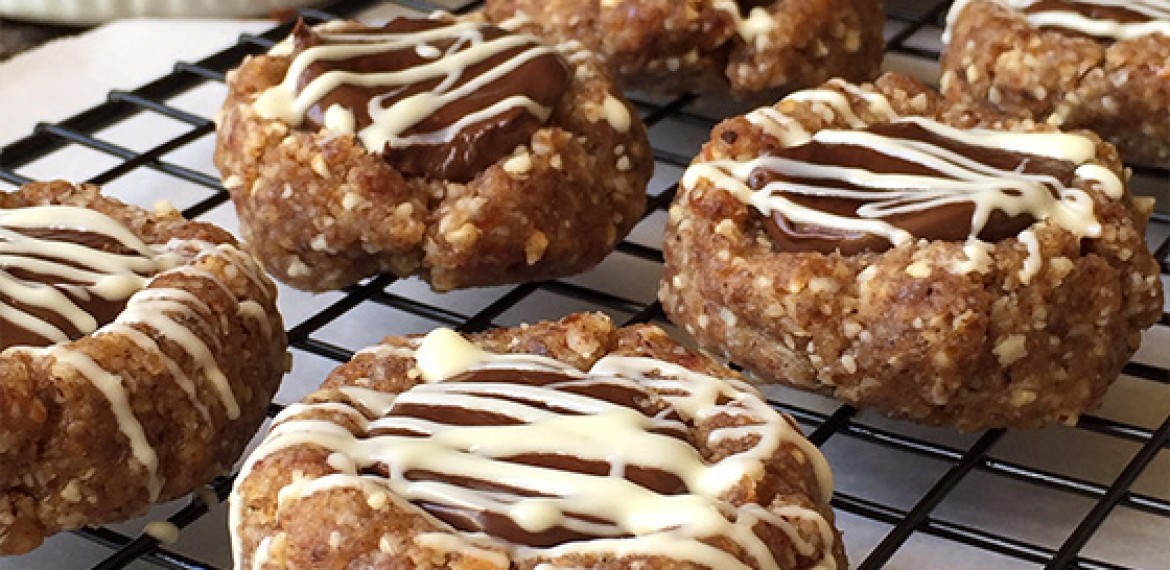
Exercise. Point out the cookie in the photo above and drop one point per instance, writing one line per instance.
(932, 261)
(714, 46)
(139, 353)
(568, 444)
(1074, 64)
(443, 147)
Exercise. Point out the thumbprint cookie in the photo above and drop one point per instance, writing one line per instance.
(463, 152)
(138, 354)
(567, 444)
(931, 261)
(1102, 65)
(714, 46)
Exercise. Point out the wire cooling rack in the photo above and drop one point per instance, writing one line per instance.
(1094, 495)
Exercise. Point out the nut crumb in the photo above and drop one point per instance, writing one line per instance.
(1011, 349)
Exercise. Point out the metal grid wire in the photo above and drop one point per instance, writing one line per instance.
(899, 519)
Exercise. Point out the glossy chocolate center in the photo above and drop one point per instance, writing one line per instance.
(387, 77)
(1089, 10)
(951, 221)
(29, 273)
(497, 522)
(746, 6)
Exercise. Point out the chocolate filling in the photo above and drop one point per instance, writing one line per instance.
(1089, 10)
(542, 79)
(952, 222)
(499, 524)
(1118, 14)
(103, 310)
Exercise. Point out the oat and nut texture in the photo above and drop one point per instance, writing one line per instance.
(64, 461)
(321, 212)
(898, 332)
(375, 532)
(1120, 90)
(715, 46)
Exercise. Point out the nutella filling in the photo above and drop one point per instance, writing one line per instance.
(947, 220)
(1091, 10)
(1103, 20)
(64, 272)
(487, 384)
(438, 99)
(746, 6)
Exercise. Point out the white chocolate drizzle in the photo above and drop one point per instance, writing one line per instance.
(1158, 12)
(390, 123)
(958, 179)
(163, 531)
(79, 271)
(152, 311)
(754, 28)
(559, 417)
(1032, 263)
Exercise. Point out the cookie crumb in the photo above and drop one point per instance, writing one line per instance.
(918, 270)
(1011, 349)
(535, 246)
(317, 163)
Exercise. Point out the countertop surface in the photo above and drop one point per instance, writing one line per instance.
(17, 36)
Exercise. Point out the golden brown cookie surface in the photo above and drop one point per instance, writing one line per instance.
(818, 274)
(714, 45)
